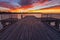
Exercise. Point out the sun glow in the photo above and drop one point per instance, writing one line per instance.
(46, 10)
(55, 9)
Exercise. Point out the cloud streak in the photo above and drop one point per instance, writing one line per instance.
(46, 5)
(12, 2)
(19, 3)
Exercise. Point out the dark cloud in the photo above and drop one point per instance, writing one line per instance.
(25, 2)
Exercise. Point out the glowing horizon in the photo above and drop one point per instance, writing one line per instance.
(36, 5)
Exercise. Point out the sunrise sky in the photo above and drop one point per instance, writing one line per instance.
(28, 4)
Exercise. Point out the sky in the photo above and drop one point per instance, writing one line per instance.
(10, 0)
(21, 3)
(25, 1)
